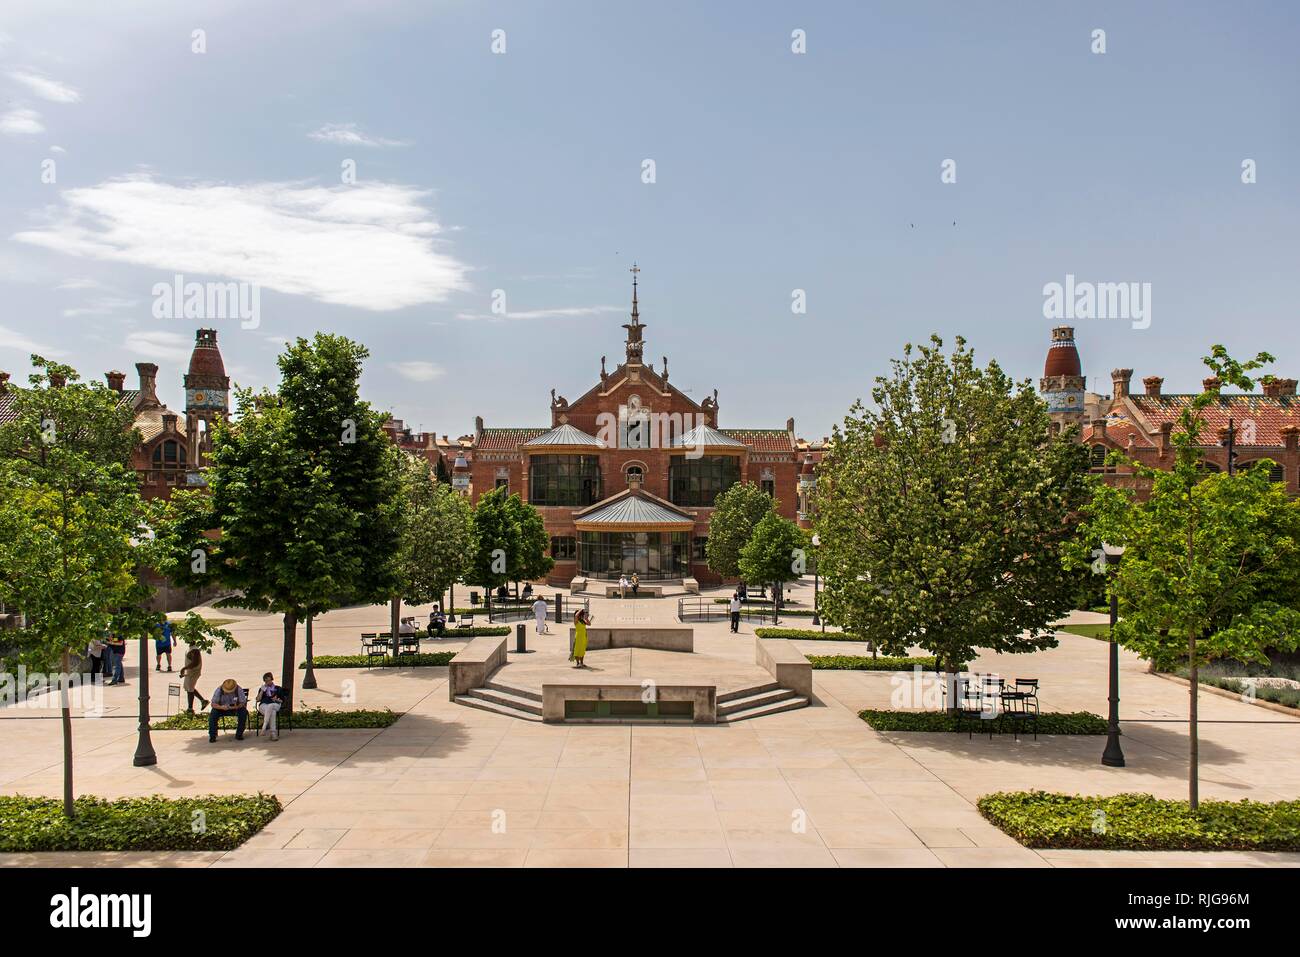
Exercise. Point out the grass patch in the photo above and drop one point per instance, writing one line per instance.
(1140, 822)
(807, 634)
(216, 622)
(307, 718)
(1100, 630)
(1049, 722)
(439, 659)
(31, 824)
(867, 663)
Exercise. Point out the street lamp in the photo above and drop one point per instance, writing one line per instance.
(816, 543)
(1113, 756)
(144, 752)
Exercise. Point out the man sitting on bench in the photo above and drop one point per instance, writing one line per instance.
(228, 699)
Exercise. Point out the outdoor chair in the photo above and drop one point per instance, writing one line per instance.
(373, 648)
(1020, 705)
(978, 697)
(466, 621)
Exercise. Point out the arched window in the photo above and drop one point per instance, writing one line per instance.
(1208, 468)
(634, 473)
(1276, 472)
(169, 455)
(1098, 458)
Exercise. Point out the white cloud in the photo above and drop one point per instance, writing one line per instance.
(80, 283)
(417, 371)
(45, 88)
(373, 245)
(568, 312)
(21, 122)
(349, 134)
(103, 306)
(156, 344)
(19, 342)
(57, 149)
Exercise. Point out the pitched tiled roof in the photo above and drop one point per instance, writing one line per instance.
(565, 435)
(7, 411)
(705, 436)
(633, 507)
(1118, 430)
(505, 440)
(1270, 415)
(763, 440)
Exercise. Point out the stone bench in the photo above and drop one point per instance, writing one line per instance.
(660, 638)
(474, 664)
(787, 665)
(653, 591)
(577, 586)
(626, 699)
(691, 585)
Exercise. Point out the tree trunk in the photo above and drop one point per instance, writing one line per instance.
(65, 710)
(394, 624)
(289, 665)
(1194, 755)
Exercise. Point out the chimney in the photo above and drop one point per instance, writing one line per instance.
(1166, 433)
(1099, 428)
(4, 382)
(1211, 384)
(1153, 384)
(116, 380)
(789, 425)
(478, 425)
(148, 373)
(1289, 437)
(1276, 388)
(169, 421)
(1119, 382)
(58, 380)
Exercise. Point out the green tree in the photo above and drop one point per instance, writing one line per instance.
(776, 553)
(304, 491)
(942, 512)
(511, 541)
(1209, 564)
(736, 513)
(437, 542)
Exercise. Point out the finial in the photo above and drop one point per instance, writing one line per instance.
(634, 270)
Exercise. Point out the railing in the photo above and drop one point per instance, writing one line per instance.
(559, 608)
(704, 608)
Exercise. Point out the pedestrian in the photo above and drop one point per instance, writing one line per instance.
(539, 612)
(270, 698)
(622, 586)
(734, 608)
(116, 652)
(228, 699)
(636, 583)
(163, 646)
(191, 671)
(580, 622)
(95, 652)
(743, 591)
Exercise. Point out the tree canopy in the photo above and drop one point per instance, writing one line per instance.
(736, 513)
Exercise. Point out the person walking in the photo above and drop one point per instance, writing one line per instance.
(163, 646)
(734, 608)
(270, 698)
(190, 673)
(539, 613)
(580, 622)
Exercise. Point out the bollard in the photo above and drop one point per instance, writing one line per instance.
(559, 609)
(521, 635)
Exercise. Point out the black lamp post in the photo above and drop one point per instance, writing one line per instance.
(309, 676)
(1113, 756)
(816, 543)
(144, 752)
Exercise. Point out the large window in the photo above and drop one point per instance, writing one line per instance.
(564, 480)
(564, 548)
(697, 482)
(651, 555)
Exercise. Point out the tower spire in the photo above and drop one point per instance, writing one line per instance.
(634, 328)
(636, 316)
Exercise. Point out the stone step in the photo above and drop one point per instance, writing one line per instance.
(511, 689)
(485, 705)
(788, 704)
(746, 692)
(507, 698)
(754, 700)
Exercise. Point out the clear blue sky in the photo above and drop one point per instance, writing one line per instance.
(522, 172)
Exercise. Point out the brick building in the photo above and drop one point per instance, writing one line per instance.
(1141, 424)
(625, 476)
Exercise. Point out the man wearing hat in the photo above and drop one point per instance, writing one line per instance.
(227, 699)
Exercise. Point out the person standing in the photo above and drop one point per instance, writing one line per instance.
(95, 652)
(191, 671)
(163, 646)
(734, 608)
(580, 622)
(539, 613)
(270, 697)
(116, 652)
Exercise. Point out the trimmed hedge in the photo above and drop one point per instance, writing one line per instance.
(438, 659)
(867, 663)
(478, 631)
(807, 634)
(1140, 822)
(1288, 697)
(1049, 722)
(31, 824)
(307, 718)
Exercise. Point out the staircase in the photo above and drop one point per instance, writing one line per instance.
(504, 699)
(755, 702)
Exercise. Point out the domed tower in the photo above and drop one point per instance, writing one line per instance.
(1063, 384)
(207, 395)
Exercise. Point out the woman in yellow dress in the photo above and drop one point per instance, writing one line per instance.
(580, 622)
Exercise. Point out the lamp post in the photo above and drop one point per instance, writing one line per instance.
(144, 752)
(309, 676)
(1113, 756)
(816, 543)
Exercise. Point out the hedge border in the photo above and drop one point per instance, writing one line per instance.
(807, 634)
(867, 663)
(307, 719)
(1049, 722)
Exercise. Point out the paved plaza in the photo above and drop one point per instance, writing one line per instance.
(449, 785)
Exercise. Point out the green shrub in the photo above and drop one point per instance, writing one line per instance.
(30, 824)
(1140, 822)
(1049, 722)
(437, 659)
(867, 663)
(307, 718)
(1290, 697)
(806, 634)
